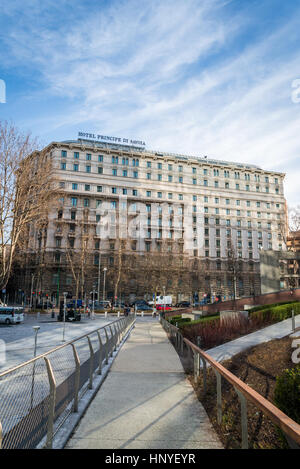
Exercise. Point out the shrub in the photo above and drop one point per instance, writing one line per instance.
(261, 308)
(180, 321)
(287, 393)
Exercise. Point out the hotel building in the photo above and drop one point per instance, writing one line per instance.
(134, 211)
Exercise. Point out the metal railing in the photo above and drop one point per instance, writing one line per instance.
(38, 395)
(196, 356)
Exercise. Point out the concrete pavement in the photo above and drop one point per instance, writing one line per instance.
(146, 402)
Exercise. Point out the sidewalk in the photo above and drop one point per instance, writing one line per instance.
(145, 402)
(276, 331)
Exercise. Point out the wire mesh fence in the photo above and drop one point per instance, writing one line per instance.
(28, 407)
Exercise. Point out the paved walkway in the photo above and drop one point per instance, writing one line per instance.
(276, 331)
(145, 402)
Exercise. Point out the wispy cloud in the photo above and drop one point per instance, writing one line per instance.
(199, 76)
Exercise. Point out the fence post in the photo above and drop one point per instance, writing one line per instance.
(219, 395)
(77, 378)
(91, 362)
(52, 397)
(106, 346)
(293, 321)
(100, 353)
(244, 419)
(112, 341)
(1, 435)
(204, 374)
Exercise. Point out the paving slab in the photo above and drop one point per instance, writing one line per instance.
(146, 401)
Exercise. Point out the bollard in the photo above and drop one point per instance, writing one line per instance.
(118, 314)
(105, 314)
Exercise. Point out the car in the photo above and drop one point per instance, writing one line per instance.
(143, 307)
(183, 304)
(71, 314)
(44, 305)
(11, 315)
(163, 308)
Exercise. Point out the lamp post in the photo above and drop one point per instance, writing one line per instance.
(104, 270)
(99, 275)
(164, 289)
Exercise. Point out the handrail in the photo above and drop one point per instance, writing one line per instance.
(289, 426)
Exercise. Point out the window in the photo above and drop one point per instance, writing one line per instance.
(205, 172)
(99, 188)
(180, 196)
(114, 190)
(98, 217)
(115, 159)
(98, 203)
(74, 201)
(194, 181)
(113, 204)
(148, 176)
(64, 154)
(63, 166)
(170, 195)
(180, 179)
(159, 195)
(87, 187)
(216, 183)
(148, 164)
(148, 193)
(205, 182)
(88, 169)
(135, 192)
(124, 191)
(100, 170)
(226, 185)
(194, 170)
(237, 186)
(100, 158)
(247, 187)
(159, 177)
(86, 202)
(114, 172)
(170, 178)
(159, 166)
(205, 198)
(125, 173)
(170, 167)
(76, 155)
(135, 174)
(88, 157)
(180, 168)
(216, 172)
(226, 174)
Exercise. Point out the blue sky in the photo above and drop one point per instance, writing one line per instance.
(200, 77)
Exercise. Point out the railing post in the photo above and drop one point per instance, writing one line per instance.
(52, 397)
(244, 419)
(112, 341)
(100, 353)
(77, 378)
(219, 396)
(106, 346)
(91, 362)
(204, 374)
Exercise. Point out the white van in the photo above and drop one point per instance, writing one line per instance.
(11, 315)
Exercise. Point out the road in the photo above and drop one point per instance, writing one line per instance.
(17, 341)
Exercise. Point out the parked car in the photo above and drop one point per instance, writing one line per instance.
(44, 305)
(183, 304)
(102, 304)
(163, 308)
(72, 314)
(139, 302)
(11, 315)
(143, 307)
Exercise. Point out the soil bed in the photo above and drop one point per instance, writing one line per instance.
(258, 367)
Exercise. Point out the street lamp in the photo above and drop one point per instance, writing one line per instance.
(104, 270)
(164, 289)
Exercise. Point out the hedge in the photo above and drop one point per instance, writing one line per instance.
(277, 313)
(287, 393)
(260, 308)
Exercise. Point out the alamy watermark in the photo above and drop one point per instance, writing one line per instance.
(295, 96)
(2, 92)
(2, 353)
(296, 353)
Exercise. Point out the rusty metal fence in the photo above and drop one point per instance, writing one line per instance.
(196, 361)
(37, 396)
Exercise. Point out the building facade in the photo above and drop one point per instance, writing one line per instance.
(190, 225)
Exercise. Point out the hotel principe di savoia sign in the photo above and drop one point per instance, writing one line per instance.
(106, 138)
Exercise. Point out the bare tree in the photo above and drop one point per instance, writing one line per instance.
(27, 185)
